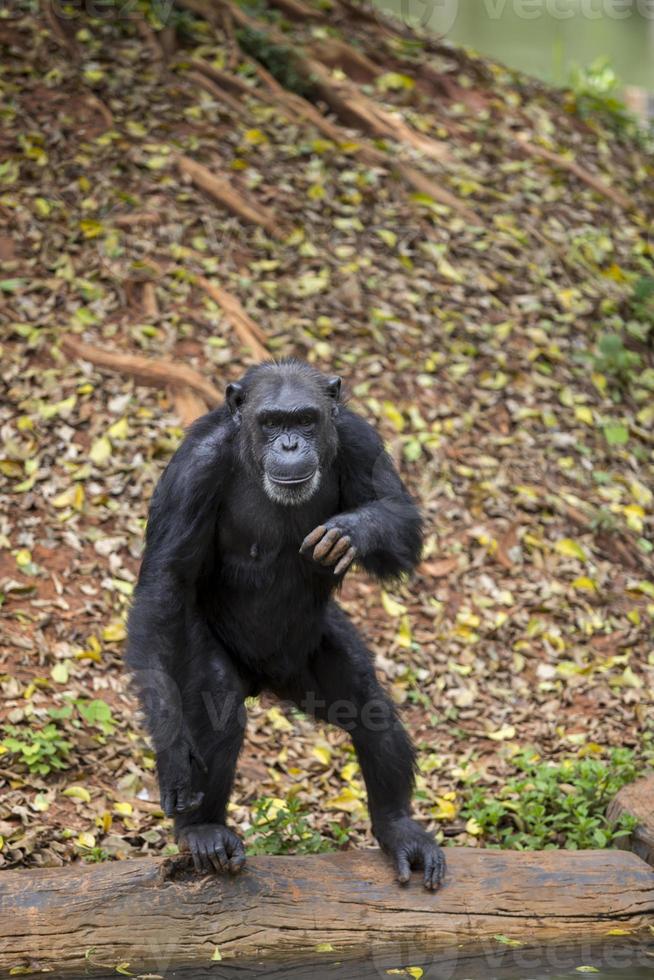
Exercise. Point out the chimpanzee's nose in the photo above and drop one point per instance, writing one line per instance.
(289, 442)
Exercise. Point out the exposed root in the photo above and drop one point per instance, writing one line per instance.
(188, 405)
(296, 10)
(201, 79)
(155, 373)
(598, 185)
(222, 192)
(248, 331)
(149, 299)
(136, 218)
(59, 32)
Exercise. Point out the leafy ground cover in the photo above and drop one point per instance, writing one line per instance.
(503, 345)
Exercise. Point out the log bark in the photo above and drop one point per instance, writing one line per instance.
(637, 799)
(153, 914)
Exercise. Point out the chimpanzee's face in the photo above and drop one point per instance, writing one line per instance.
(288, 431)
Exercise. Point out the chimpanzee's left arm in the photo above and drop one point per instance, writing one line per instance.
(380, 525)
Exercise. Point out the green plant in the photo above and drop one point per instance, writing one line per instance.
(281, 827)
(40, 750)
(280, 60)
(641, 305)
(595, 92)
(93, 712)
(614, 359)
(554, 805)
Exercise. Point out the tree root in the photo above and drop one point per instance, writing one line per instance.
(295, 106)
(249, 333)
(227, 197)
(598, 185)
(146, 370)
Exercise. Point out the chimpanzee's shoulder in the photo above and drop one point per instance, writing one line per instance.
(355, 434)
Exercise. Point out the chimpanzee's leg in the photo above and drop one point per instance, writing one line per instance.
(340, 686)
(214, 711)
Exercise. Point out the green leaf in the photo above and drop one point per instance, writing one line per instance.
(616, 434)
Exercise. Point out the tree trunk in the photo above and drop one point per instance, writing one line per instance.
(153, 914)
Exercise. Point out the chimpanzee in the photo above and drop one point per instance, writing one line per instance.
(252, 526)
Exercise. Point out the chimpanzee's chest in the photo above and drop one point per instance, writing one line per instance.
(256, 537)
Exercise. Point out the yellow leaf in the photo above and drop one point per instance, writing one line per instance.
(123, 809)
(393, 415)
(59, 673)
(322, 753)
(619, 932)
(584, 414)
(415, 971)
(446, 809)
(23, 557)
(473, 828)
(502, 734)
(348, 801)
(255, 137)
(635, 515)
(392, 606)
(77, 792)
(86, 840)
(100, 452)
(217, 955)
(114, 632)
(119, 430)
(570, 549)
(349, 771)
(585, 584)
(324, 948)
(403, 637)
(278, 721)
(73, 497)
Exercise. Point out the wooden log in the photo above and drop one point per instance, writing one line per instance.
(153, 914)
(637, 799)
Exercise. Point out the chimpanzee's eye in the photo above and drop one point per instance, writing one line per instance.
(268, 425)
(306, 421)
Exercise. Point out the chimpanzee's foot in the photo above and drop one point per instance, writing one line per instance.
(412, 847)
(212, 847)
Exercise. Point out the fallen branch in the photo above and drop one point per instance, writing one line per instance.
(249, 333)
(152, 915)
(598, 185)
(222, 192)
(156, 373)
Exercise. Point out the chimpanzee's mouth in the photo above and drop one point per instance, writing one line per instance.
(293, 481)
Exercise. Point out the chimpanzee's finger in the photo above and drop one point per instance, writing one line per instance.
(217, 855)
(237, 859)
(324, 546)
(312, 538)
(339, 549)
(346, 561)
(403, 868)
(168, 804)
(195, 755)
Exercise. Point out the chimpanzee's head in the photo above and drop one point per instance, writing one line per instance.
(286, 415)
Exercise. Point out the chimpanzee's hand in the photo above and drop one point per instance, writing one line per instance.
(333, 543)
(213, 847)
(175, 785)
(412, 847)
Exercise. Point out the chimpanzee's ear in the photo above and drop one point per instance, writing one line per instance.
(334, 387)
(235, 396)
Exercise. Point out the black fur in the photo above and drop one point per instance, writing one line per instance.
(227, 605)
